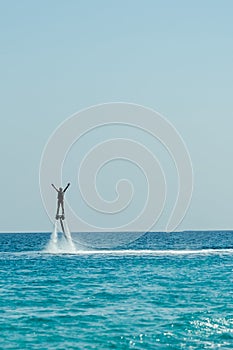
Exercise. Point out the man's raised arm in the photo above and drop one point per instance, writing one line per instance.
(66, 187)
(55, 187)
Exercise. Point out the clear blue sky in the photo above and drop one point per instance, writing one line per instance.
(58, 57)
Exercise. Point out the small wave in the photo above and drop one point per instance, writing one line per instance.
(141, 252)
(65, 248)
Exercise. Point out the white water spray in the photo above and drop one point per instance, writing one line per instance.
(68, 236)
(54, 234)
(61, 245)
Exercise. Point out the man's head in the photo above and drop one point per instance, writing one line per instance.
(60, 189)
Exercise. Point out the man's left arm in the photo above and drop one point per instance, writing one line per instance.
(66, 187)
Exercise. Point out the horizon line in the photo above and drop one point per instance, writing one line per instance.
(181, 231)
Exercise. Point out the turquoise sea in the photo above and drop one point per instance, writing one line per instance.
(163, 291)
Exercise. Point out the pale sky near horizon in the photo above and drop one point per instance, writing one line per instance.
(58, 57)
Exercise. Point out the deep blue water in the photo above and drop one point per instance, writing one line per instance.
(163, 291)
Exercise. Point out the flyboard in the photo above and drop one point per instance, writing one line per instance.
(64, 227)
(61, 218)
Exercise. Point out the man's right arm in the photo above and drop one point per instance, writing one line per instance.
(55, 187)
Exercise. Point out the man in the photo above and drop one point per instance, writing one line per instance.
(60, 199)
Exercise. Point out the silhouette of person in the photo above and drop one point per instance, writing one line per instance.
(60, 198)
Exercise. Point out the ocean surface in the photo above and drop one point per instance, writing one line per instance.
(163, 291)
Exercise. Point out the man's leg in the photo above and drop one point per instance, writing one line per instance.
(58, 207)
(62, 206)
